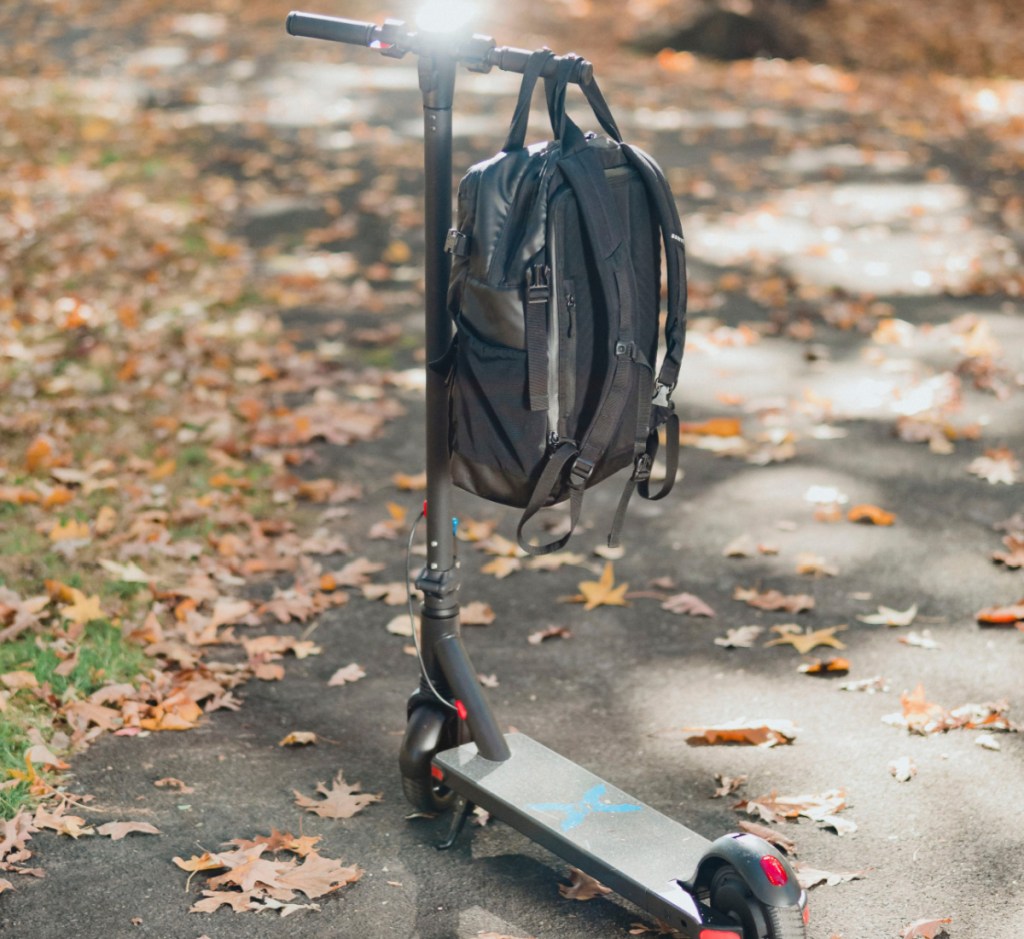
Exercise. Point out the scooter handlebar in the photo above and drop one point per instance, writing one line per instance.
(313, 26)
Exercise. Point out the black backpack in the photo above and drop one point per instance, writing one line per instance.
(555, 293)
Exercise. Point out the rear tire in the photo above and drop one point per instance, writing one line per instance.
(731, 895)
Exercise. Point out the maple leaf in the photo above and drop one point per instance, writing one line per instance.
(63, 824)
(347, 674)
(603, 592)
(739, 637)
(246, 867)
(554, 562)
(819, 808)
(925, 928)
(341, 800)
(774, 600)
(83, 610)
(582, 886)
(886, 616)
(758, 733)
(394, 593)
(356, 573)
(687, 604)
(118, 830)
(803, 642)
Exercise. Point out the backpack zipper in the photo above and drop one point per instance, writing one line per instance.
(568, 378)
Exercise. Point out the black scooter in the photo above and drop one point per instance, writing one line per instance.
(454, 755)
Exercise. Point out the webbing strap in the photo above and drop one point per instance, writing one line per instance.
(549, 481)
(521, 116)
(538, 292)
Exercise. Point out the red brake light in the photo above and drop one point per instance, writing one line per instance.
(437, 773)
(807, 914)
(774, 871)
(460, 709)
(717, 934)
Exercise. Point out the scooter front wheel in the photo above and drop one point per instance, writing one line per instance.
(429, 731)
(731, 895)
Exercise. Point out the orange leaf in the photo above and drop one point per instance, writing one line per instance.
(59, 495)
(714, 427)
(1002, 615)
(39, 455)
(163, 470)
(870, 515)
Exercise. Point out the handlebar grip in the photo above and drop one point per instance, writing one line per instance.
(314, 26)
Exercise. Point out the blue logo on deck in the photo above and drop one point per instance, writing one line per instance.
(575, 813)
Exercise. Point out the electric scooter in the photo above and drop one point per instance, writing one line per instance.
(454, 755)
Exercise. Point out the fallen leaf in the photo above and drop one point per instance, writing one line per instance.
(833, 666)
(727, 785)
(925, 928)
(803, 642)
(215, 899)
(603, 592)
(773, 600)
(501, 567)
(1013, 556)
(763, 733)
(317, 876)
(582, 886)
(476, 613)
(739, 637)
(997, 466)
(410, 483)
(809, 877)
(551, 632)
(1001, 615)
(822, 809)
(170, 782)
(341, 800)
(903, 769)
(346, 675)
(554, 562)
(921, 640)
(743, 546)
(870, 515)
(886, 616)
(298, 738)
(815, 566)
(83, 610)
(400, 625)
(117, 830)
(770, 835)
(868, 685)
(687, 604)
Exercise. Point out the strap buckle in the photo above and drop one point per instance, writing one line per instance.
(627, 349)
(538, 283)
(457, 243)
(663, 396)
(580, 472)
(642, 468)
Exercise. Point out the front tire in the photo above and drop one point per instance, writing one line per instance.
(429, 731)
(731, 895)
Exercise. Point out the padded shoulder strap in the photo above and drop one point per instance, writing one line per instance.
(675, 263)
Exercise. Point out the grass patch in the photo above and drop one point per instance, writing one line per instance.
(103, 657)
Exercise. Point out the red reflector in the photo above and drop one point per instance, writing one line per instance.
(424, 508)
(807, 914)
(460, 709)
(437, 773)
(717, 934)
(774, 871)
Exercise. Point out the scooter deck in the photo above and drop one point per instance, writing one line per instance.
(635, 850)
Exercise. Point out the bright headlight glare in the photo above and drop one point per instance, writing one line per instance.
(445, 16)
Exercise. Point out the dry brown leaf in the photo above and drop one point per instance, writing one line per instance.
(886, 616)
(903, 769)
(727, 785)
(739, 637)
(317, 876)
(774, 600)
(582, 886)
(687, 604)
(1012, 615)
(298, 738)
(1013, 556)
(551, 632)
(998, 465)
(476, 613)
(809, 877)
(770, 835)
(603, 592)
(117, 830)
(822, 809)
(925, 928)
(832, 666)
(758, 733)
(346, 675)
(803, 642)
(215, 899)
(341, 800)
(501, 567)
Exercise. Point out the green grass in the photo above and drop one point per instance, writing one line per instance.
(104, 657)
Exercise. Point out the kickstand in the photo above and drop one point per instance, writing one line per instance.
(462, 810)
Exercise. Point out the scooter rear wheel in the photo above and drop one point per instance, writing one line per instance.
(731, 895)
